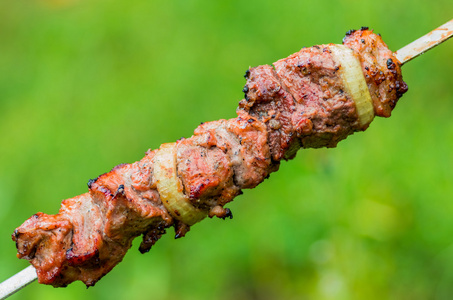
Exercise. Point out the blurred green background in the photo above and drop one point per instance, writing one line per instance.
(86, 85)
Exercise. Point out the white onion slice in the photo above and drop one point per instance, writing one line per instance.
(170, 187)
(354, 82)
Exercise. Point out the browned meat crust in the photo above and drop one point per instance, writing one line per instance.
(267, 100)
(324, 113)
(382, 70)
(297, 103)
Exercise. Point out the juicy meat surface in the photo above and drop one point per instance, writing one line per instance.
(382, 70)
(267, 100)
(297, 102)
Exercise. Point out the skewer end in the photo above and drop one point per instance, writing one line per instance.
(17, 282)
(425, 43)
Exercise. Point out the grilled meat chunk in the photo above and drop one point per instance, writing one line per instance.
(267, 100)
(382, 70)
(324, 114)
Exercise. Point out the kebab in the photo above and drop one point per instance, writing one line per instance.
(313, 98)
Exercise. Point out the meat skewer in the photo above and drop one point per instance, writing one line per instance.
(267, 110)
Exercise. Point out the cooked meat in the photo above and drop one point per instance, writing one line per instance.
(267, 100)
(382, 70)
(324, 114)
(306, 100)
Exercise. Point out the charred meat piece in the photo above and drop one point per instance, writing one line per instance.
(267, 100)
(324, 113)
(382, 70)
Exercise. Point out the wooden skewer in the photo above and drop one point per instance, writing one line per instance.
(426, 42)
(405, 54)
(17, 282)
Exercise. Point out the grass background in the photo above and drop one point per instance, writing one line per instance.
(86, 85)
